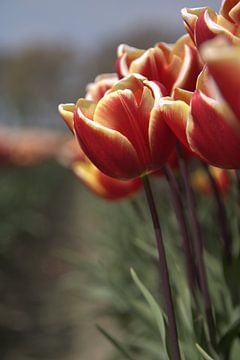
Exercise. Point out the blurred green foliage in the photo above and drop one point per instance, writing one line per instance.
(133, 298)
(32, 318)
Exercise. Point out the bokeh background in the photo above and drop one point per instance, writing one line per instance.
(49, 223)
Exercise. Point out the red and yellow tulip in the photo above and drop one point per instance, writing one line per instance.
(208, 120)
(214, 125)
(173, 66)
(204, 23)
(123, 133)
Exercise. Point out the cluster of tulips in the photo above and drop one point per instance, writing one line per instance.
(129, 122)
(163, 107)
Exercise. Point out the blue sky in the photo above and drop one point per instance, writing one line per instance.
(84, 23)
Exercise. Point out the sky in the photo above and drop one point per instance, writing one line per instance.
(84, 23)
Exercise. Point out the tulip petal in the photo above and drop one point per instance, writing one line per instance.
(153, 65)
(148, 64)
(161, 139)
(211, 132)
(95, 91)
(230, 10)
(103, 185)
(234, 13)
(190, 17)
(109, 150)
(88, 107)
(175, 114)
(86, 172)
(189, 70)
(131, 82)
(66, 111)
(224, 65)
(116, 189)
(119, 111)
(181, 94)
(126, 54)
(206, 27)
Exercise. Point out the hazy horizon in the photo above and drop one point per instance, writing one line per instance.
(84, 24)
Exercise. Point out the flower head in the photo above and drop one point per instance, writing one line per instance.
(173, 66)
(204, 23)
(208, 120)
(123, 133)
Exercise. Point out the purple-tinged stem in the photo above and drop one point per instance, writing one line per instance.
(186, 243)
(198, 246)
(222, 217)
(237, 172)
(166, 289)
(237, 178)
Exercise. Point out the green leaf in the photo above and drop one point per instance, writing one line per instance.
(230, 335)
(115, 343)
(205, 356)
(156, 311)
(235, 350)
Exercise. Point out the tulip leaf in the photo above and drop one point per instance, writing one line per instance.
(230, 335)
(156, 311)
(203, 353)
(115, 343)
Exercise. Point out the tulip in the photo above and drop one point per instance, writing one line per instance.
(204, 23)
(208, 121)
(102, 185)
(214, 124)
(223, 62)
(172, 65)
(96, 90)
(123, 134)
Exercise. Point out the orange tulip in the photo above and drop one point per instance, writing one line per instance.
(102, 185)
(123, 133)
(204, 23)
(171, 65)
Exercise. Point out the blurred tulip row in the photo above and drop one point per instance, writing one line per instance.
(32, 146)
